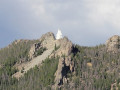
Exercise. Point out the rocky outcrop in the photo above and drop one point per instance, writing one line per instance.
(34, 48)
(62, 48)
(48, 40)
(65, 62)
(65, 65)
(65, 46)
(113, 44)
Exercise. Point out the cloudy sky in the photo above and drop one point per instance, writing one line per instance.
(85, 22)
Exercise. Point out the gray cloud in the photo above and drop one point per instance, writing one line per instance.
(85, 22)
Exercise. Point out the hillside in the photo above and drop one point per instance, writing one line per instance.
(50, 64)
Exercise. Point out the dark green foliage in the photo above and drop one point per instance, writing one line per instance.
(37, 78)
(48, 70)
(10, 61)
(9, 56)
(42, 76)
(104, 71)
(40, 51)
(8, 67)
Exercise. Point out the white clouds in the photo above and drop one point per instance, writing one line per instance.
(39, 9)
(104, 11)
(84, 20)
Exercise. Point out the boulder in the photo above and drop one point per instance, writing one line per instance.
(48, 40)
(113, 44)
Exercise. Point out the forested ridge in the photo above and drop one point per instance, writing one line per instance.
(94, 69)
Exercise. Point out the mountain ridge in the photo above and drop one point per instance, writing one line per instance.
(73, 64)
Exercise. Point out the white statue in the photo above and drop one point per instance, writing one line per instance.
(59, 34)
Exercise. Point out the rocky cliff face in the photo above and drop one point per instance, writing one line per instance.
(34, 48)
(48, 40)
(65, 65)
(113, 44)
(63, 49)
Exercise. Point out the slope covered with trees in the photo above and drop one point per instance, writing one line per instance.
(94, 68)
(15, 53)
(38, 78)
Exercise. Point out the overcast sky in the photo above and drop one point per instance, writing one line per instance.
(85, 22)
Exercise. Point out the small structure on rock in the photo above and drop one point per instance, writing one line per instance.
(59, 34)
